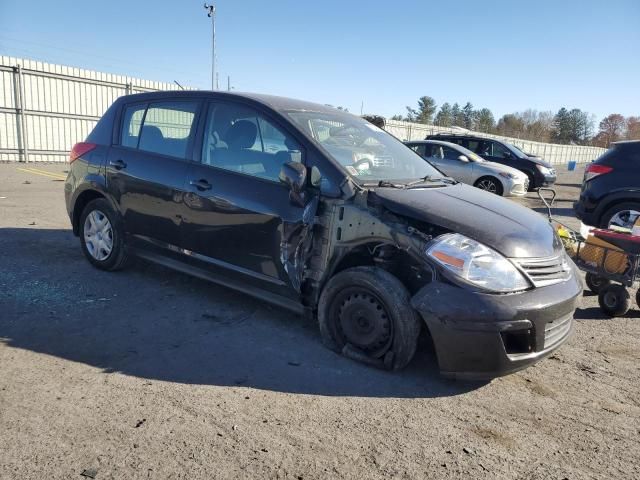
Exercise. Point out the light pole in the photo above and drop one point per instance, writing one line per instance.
(211, 13)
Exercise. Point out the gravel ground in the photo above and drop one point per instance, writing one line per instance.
(148, 373)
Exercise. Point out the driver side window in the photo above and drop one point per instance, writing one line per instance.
(494, 149)
(240, 139)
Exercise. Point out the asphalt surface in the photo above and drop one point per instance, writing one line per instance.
(148, 373)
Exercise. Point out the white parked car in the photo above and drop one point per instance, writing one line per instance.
(468, 167)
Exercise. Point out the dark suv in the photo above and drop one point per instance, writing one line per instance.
(539, 171)
(324, 213)
(611, 188)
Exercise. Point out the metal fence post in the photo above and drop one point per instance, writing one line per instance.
(21, 131)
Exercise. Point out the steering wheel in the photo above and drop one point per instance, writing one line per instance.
(362, 161)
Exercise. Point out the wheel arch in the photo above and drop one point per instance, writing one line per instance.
(616, 199)
(80, 203)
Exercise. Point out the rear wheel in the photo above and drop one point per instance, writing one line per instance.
(614, 300)
(596, 282)
(365, 313)
(622, 215)
(638, 298)
(489, 184)
(102, 235)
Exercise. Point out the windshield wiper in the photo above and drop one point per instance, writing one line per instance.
(430, 179)
(384, 183)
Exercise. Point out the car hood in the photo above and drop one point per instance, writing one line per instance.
(539, 161)
(511, 229)
(498, 167)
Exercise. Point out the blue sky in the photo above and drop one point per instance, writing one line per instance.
(504, 55)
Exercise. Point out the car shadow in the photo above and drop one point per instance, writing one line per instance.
(159, 325)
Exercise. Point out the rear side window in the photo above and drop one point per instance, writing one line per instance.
(132, 121)
(473, 145)
(163, 127)
(167, 127)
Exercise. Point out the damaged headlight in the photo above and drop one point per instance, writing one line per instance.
(476, 263)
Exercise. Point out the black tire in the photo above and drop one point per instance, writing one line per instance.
(596, 282)
(483, 184)
(638, 298)
(614, 300)
(385, 334)
(118, 257)
(611, 212)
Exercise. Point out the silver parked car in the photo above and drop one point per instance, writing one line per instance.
(468, 167)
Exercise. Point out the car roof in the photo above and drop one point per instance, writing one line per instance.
(277, 103)
(436, 142)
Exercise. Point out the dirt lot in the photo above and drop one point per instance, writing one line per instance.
(148, 373)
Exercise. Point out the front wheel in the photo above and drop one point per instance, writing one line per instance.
(614, 300)
(490, 184)
(366, 314)
(102, 235)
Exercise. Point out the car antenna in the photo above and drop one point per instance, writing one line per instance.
(176, 82)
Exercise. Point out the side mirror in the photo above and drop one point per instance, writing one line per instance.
(507, 155)
(316, 177)
(463, 158)
(294, 175)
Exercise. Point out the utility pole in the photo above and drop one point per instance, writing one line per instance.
(211, 13)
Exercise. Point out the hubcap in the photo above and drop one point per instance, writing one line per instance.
(624, 218)
(364, 323)
(488, 185)
(98, 235)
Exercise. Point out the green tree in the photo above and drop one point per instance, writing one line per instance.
(425, 111)
(397, 117)
(561, 130)
(456, 114)
(468, 116)
(444, 118)
(485, 121)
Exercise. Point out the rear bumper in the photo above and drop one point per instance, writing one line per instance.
(482, 336)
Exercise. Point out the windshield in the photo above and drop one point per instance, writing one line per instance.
(367, 153)
(519, 153)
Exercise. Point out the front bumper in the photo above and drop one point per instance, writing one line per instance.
(549, 179)
(481, 336)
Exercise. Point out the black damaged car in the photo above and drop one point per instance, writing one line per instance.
(321, 212)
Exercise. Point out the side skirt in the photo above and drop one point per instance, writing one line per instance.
(255, 292)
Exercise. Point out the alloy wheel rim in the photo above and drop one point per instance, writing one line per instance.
(624, 219)
(98, 235)
(488, 185)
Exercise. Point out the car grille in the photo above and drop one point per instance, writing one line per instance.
(557, 330)
(545, 271)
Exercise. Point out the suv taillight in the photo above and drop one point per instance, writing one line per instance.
(594, 170)
(80, 149)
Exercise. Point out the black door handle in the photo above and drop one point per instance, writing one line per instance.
(118, 164)
(200, 184)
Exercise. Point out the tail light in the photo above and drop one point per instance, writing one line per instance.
(595, 170)
(80, 149)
